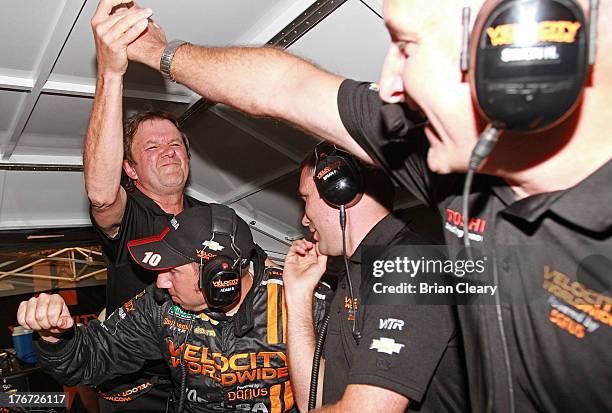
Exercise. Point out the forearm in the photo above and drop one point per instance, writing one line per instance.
(99, 351)
(300, 348)
(263, 81)
(103, 147)
(254, 80)
(77, 358)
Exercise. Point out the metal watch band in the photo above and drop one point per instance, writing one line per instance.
(165, 63)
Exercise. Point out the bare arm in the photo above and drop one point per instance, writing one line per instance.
(301, 341)
(304, 266)
(103, 147)
(259, 81)
(366, 398)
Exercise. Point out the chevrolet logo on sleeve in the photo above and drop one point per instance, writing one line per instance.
(386, 345)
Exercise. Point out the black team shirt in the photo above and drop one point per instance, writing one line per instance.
(546, 348)
(413, 350)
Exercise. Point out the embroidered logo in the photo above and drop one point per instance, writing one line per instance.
(390, 324)
(205, 255)
(386, 345)
(454, 224)
(213, 245)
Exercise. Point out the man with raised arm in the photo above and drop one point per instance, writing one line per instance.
(152, 152)
(544, 345)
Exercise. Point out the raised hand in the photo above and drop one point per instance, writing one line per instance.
(304, 267)
(149, 46)
(47, 314)
(115, 24)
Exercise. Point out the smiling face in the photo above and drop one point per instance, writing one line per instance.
(183, 286)
(422, 69)
(319, 217)
(161, 163)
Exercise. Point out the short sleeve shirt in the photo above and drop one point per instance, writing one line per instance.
(413, 350)
(546, 346)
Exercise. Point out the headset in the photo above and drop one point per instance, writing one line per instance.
(337, 176)
(220, 277)
(527, 62)
(339, 181)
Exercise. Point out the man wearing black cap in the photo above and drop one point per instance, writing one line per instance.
(221, 330)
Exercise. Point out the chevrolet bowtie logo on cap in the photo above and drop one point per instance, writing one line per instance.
(213, 245)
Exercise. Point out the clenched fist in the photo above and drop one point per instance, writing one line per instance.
(47, 314)
(304, 266)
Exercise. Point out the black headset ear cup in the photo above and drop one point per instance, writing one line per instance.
(528, 62)
(338, 179)
(220, 282)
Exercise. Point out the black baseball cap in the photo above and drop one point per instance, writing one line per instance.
(197, 234)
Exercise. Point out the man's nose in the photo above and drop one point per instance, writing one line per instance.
(163, 280)
(391, 81)
(168, 151)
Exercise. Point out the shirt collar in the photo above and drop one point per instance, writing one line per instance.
(586, 205)
(156, 209)
(589, 203)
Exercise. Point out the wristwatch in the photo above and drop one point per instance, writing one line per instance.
(165, 63)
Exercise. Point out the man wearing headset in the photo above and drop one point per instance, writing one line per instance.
(546, 190)
(389, 358)
(220, 330)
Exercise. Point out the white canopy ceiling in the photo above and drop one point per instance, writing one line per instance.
(47, 77)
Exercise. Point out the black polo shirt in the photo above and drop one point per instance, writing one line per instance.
(412, 350)
(546, 347)
(142, 218)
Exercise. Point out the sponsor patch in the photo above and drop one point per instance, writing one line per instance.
(205, 317)
(390, 324)
(575, 308)
(454, 224)
(180, 313)
(386, 345)
(129, 306)
(206, 332)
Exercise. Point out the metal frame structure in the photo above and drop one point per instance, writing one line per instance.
(79, 267)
